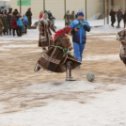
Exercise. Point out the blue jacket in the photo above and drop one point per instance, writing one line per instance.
(25, 20)
(19, 22)
(80, 35)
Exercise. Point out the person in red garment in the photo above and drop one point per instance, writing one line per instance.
(56, 57)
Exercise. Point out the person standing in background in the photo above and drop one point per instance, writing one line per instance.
(1, 25)
(9, 16)
(72, 16)
(29, 15)
(124, 18)
(41, 15)
(119, 17)
(6, 23)
(20, 25)
(67, 18)
(14, 24)
(113, 17)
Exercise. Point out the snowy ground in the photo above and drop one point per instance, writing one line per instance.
(97, 27)
(45, 99)
(104, 109)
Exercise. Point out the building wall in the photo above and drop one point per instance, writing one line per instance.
(94, 8)
(37, 6)
(119, 4)
(57, 7)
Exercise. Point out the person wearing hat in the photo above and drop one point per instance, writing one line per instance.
(79, 28)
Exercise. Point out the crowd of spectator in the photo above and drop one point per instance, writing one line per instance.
(13, 23)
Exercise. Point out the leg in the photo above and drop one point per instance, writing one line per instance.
(77, 54)
(82, 46)
(69, 72)
(118, 24)
(13, 32)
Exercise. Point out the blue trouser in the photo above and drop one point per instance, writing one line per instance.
(78, 50)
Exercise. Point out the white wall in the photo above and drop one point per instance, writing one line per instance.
(57, 7)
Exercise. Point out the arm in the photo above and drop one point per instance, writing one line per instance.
(86, 26)
(74, 26)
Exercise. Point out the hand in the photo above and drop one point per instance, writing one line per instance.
(76, 29)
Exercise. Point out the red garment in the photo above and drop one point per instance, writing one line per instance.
(41, 15)
(62, 32)
(14, 23)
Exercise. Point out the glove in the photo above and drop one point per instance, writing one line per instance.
(87, 28)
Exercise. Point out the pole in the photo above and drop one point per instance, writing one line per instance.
(125, 4)
(65, 7)
(20, 6)
(86, 9)
(43, 5)
(107, 11)
(104, 10)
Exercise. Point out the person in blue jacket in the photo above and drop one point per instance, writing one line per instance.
(20, 25)
(79, 28)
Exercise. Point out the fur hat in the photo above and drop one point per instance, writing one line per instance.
(62, 32)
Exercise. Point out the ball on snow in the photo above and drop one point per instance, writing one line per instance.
(90, 76)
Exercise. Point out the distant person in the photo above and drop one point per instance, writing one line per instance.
(25, 22)
(1, 25)
(20, 25)
(15, 12)
(124, 19)
(67, 18)
(41, 15)
(29, 15)
(6, 24)
(72, 16)
(79, 28)
(51, 17)
(45, 28)
(113, 17)
(9, 16)
(119, 17)
(14, 24)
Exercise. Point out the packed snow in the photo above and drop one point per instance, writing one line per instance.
(105, 109)
(77, 103)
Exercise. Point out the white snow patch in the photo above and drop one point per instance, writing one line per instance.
(62, 87)
(107, 109)
(102, 58)
(20, 46)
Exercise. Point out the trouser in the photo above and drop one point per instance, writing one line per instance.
(15, 30)
(112, 23)
(118, 26)
(78, 50)
(124, 23)
(19, 31)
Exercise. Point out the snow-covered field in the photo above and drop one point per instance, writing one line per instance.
(45, 99)
(104, 109)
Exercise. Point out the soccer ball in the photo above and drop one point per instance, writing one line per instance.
(90, 76)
